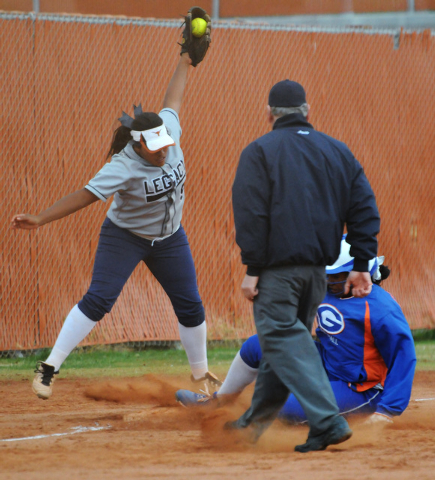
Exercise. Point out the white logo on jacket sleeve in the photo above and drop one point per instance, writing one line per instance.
(329, 319)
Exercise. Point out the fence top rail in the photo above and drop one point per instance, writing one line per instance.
(224, 24)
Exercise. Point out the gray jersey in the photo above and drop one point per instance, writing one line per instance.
(148, 200)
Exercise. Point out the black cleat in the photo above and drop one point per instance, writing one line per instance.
(338, 432)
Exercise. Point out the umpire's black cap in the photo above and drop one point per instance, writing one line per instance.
(287, 94)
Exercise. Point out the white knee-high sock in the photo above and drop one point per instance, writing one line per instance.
(75, 328)
(194, 341)
(239, 376)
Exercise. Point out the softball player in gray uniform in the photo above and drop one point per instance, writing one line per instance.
(146, 176)
(148, 199)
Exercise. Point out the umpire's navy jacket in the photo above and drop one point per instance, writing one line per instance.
(294, 190)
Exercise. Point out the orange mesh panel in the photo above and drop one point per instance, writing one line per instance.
(131, 8)
(374, 6)
(424, 4)
(228, 8)
(249, 8)
(66, 81)
(16, 5)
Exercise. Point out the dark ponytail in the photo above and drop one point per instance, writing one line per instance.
(385, 273)
(122, 135)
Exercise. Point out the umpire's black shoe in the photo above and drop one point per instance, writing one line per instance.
(232, 425)
(338, 432)
(248, 434)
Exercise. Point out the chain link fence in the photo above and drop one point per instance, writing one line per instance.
(66, 79)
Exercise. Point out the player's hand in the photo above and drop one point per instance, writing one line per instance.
(25, 221)
(359, 282)
(249, 287)
(378, 419)
(186, 59)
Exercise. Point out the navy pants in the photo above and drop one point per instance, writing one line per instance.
(349, 402)
(170, 261)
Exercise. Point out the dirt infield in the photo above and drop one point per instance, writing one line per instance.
(136, 430)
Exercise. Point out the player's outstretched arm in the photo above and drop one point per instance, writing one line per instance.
(175, 91)
(62, 208)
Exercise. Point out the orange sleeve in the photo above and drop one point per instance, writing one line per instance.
(373, 362)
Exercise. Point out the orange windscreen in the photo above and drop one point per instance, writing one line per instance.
(65, 81)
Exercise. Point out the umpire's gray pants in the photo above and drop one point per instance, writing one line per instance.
(284, 311)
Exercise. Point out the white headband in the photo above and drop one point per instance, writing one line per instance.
(156, 138)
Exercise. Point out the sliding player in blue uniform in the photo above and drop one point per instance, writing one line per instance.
(365, 344)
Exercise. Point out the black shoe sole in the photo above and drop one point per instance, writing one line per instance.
(319, 446)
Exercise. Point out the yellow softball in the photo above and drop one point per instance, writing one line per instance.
(199, 26)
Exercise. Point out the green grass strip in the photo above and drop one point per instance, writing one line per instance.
(119, 361)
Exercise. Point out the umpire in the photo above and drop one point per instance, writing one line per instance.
(295, 189)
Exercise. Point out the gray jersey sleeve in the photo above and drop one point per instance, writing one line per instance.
(172, 122)
(113, 177)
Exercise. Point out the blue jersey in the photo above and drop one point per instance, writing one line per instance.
(367, 343)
